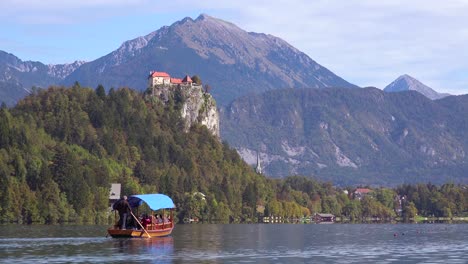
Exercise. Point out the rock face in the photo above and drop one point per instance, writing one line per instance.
(408, 83)
(198, 107)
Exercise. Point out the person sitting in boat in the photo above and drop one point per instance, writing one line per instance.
(124, 209)
(159, 219)
(145, 220)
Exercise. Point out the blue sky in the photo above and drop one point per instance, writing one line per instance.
(367, 42)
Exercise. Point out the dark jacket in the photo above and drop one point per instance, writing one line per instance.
(122, 206)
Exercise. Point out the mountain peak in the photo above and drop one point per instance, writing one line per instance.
(229, 58)
(207, 18)
(203, 16)
(409, 79)
(408, 83)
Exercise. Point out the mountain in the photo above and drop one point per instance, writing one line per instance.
(351, 136)
(408, 83)
(234, 62)
(17, 77)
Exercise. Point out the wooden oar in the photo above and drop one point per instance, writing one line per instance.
(140, 224)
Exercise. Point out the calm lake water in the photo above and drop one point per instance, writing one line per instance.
(242, 243)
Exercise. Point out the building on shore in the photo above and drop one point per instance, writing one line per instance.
(324, 218)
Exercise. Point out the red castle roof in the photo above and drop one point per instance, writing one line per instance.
(159, 74)
(176, 80)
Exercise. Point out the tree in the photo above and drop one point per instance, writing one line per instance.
(196, 79)
(5, 127)
(100, 91)
(409, 211)
(352, 209)
(76, 85)
(386, 197)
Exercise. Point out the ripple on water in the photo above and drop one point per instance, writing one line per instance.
(261, 244)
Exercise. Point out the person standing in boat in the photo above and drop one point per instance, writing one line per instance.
(124, 209)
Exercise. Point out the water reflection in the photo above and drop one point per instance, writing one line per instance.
(159, 247)
(272, 243)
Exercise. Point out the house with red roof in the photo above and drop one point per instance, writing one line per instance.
(156, 78)
(361, 192)
(176, 81)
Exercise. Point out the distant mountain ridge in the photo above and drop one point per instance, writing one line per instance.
(234, 62)
(352, 136)
(408, 83)
(33, 73)
(17, 76)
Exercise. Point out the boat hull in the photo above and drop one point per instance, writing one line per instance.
(152, 230)
(138, 233)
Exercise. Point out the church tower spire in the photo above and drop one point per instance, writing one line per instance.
(258, 168)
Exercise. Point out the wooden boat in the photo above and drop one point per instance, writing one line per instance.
(152, 229)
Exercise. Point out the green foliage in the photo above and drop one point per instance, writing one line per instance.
(409, 211)
(60, 149)
(196, 79)
(447, 200)
(64, 147)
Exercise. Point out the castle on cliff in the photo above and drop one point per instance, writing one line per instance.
(198, 106)
(163, 78)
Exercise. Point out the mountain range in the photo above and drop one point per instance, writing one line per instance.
(408, 83)
(352, 136)
(260, 83)
(232, 61)
(17, 77)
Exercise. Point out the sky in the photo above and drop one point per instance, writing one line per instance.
(366, 42)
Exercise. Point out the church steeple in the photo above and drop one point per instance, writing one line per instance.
(258, 169)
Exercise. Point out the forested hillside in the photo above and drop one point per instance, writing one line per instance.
(60, 149)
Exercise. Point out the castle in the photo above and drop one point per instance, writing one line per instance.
(163, 78)
(198, 106)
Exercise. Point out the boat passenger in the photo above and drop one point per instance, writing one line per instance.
(159, 219)
(145, 220)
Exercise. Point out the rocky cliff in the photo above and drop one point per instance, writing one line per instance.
(198, 107)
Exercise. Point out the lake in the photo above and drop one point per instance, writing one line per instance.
(241, 243)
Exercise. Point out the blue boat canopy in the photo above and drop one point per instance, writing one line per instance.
(155, 201)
